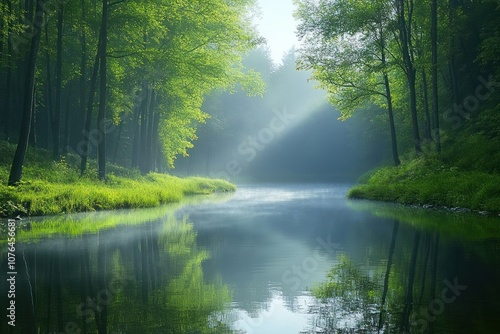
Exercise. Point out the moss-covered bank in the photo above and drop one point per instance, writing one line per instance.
(50, 187)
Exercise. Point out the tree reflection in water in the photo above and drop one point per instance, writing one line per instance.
(383, 298)
(141, 279)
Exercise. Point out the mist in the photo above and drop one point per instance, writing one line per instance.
(290, 133)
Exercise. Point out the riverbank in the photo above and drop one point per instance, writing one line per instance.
(50, 187)
(429, 182)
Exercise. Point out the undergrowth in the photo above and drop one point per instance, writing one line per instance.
(53, 187)
(466, 174)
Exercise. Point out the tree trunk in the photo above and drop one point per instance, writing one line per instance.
(137, 134)
(29, 95)
(83, 61)
(8, 88)
(101, 116)
(84, 149)
(425, 90)
(388, 95)
(57, 107)
(117, 142)
(434, 73)
(67, 125)
(49, 94)
(150, 137)
(144, 127)
(32, 140)
(394, 141)
(156, 150)
(405, 38)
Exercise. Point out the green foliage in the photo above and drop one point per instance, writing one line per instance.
(347, 283)
(56, 187)
(428, 180)
(184, 50)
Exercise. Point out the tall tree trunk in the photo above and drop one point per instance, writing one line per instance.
(137, 134)
(425, 93)
(151, 135)
(101, 116)
(405, 39)
(57, 107)
(390, 111)
(83, 62)
(144, 127)
(84, 150)
(388, 95)
(434, 73)
(67, 125)
(156, 150)
(8, 88)
(49, 93)
(29, 95)
(8, 93)
(117, 141)
(32, 140)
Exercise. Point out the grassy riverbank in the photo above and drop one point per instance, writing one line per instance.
(466, 174)
(50, 187)
(429, 181)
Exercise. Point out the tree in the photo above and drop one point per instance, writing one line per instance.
(101, 117)
(346, 46)
(405, 18)
(29, 96)
(435, 92)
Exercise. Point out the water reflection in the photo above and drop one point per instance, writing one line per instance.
(422, 281)
(272, 259)
(146, 278)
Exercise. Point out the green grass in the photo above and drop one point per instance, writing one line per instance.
(466, 174)
(50, 187)
(428, 180)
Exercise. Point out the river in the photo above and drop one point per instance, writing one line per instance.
(269, 259)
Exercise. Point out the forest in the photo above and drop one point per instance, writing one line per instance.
(189, 88)
(163, 171)
(429, 71)
(87, 74)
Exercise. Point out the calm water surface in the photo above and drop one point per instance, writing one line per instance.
(268, 259)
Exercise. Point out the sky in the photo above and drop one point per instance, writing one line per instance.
(277, 25)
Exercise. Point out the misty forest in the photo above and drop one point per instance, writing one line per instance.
(163, 172)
